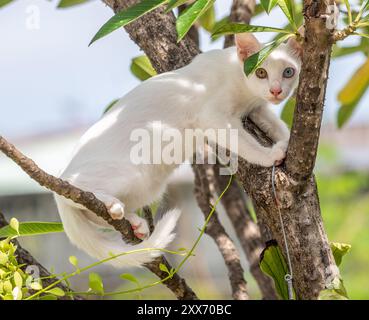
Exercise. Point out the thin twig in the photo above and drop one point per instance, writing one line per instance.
(204, 192)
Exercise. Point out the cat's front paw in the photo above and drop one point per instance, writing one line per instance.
(283, 144)
(116, 209)
(278, 153)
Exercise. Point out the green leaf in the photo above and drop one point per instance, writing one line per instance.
(110, 105)
(73, 261)
(3, 258)
(217, 25)
(344, 51)
(207, 20)
(4, 2)
(18, 280)
(231, 28)
(268, 5)
(287, 8)
(125, 17)
(174, 4)
(351, 94)
(363, 8)
(189, 16)
(254, 61)
(141, 67)
(339, 250)
(164, 268)
(288, 111)
(361, 35)
(70, 3)
(129, 277)
(96, 283)
(32, 229)
(344, 114)
(56, 292)
(14, 224)
(330, 294)
(273, 264)
(36, 285)
(7, 286)
(348, 7)
(335, 290)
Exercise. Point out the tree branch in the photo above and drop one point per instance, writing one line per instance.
(65, 189)
(176, 284)
(204, 192)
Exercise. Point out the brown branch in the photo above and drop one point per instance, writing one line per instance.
(65, 189)
(204, 192)
(176, 284)
(24, 257)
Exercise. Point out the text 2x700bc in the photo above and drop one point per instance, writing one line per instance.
(186, 309)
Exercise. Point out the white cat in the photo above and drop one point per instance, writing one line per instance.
(211, 92)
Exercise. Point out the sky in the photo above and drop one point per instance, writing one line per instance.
(50, 80)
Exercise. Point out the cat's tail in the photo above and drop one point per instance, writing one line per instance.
(101, 243)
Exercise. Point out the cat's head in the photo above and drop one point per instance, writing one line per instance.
(278, 75)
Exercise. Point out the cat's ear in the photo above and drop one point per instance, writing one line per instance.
(247, 45)
(296, 46)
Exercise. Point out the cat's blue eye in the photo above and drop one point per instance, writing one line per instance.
(288, 72)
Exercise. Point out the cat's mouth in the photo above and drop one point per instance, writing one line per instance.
(275, 100)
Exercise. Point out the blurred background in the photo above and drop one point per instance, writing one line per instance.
(53, 87)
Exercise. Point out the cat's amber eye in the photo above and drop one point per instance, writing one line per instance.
(288, 72)
(261, 73)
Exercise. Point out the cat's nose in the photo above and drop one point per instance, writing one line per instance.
(276, 91)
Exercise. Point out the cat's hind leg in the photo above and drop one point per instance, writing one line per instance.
(139, 225)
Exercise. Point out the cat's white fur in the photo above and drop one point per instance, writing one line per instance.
(211, 92)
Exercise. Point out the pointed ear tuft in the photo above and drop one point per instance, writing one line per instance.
(247, 45)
